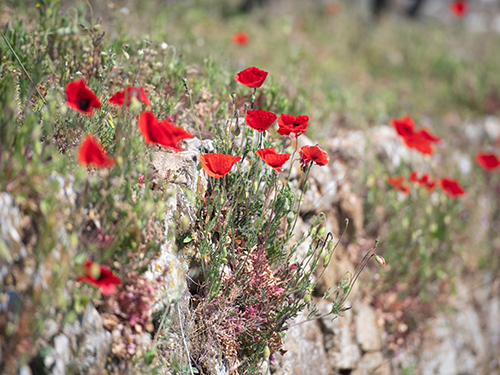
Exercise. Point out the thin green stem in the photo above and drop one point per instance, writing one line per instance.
(23, 67)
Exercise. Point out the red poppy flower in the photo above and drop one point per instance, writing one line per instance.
(451, 187)
(403, 125)
(291, 124)
(81, 98)
(419, 178)
(430, 185)
(272, 158)
(488, 161)
(162, 133)
(429, 136)
(418, 142)
(259, 120)
(218, 165)
(240, 38)
(251, 77)
(398, 183)
(313, 153)
(91, 152)
(458, 8)
(132, 92)
(106, 281)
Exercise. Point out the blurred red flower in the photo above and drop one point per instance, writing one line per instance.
(162, 133)
(422, 179)
(451, 187)
(259, 120)
(488, 161)
(132, 92)
(403, 125)
(313, 153)
(291, 124)
(240, 38)
(218, 165)
(398, 183)
(421, 139)
(419, 178)
(430, 185)
(106, 281)
(251, 77)
(272, 158)
(427, 134)
(458, 8)
(91, 152)
(81, 98)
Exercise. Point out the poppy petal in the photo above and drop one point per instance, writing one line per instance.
(218, 165)
(259, 120)
(487, 160)
(91, 152)
(81, 98)
(251, 77)
(272, 158)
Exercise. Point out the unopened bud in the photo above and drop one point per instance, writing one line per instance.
(313, 231)
(326, 261)
(290, 217)
(380, 260)
(322, 231)
(330, 245)
(307, 298)
(267, 352)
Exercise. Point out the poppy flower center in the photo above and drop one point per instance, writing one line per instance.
(296, 124)
(84, 104)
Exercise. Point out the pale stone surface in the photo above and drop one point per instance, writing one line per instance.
(306, 354)
(373, 363)
(339, 341)
(367, 333)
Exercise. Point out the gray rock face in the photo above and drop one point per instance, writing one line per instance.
(11, 247)
(306, 354)
(367, 332)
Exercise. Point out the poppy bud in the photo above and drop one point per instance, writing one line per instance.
(307, 298)
(313, 231)
(330, 245)
(380, 260)
(267, 352)
(322, 231)
(290, 217)
(326, 261)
